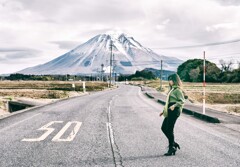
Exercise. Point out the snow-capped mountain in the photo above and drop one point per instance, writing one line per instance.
(128, 56)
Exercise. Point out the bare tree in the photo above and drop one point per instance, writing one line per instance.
(194, 73)
(226, 65)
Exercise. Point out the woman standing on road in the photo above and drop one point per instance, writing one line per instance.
(172, 110)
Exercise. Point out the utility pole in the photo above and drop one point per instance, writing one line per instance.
(161, 77)
(113, 68)
(102, 65)
(204, 83)
(110, 74)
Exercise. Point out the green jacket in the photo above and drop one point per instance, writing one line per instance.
(174, 96)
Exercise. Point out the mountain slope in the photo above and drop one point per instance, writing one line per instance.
(129, 56)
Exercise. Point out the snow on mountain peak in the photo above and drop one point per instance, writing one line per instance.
(87, 58)
(114, 34)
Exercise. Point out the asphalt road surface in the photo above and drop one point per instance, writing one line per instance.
(119, 127)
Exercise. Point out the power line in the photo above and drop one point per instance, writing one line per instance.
(220, 63)
(156, 62)
(223, 56)
(212, 57)
(200, 45)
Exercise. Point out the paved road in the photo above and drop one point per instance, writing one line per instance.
(120, 127)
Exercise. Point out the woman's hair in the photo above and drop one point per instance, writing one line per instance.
(176, 80)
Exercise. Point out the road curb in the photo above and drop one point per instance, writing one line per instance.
(148, 95)
(201, 116)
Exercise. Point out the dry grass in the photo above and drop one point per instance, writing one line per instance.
(215, 93)
(45, 89)
(52, 85)
(33, 93)
(9, 90)
(225, 94)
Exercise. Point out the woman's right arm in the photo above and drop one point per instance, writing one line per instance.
(180, 99)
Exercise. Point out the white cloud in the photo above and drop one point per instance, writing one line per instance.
(53, 27)
(66, 44)
(165, 22)
(228, 26)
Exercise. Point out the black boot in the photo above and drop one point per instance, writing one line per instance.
(171, 151)
(176, 145)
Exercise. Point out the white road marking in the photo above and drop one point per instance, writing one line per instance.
(109, 125)
(72, 134)
(109, 113)
(115, 151)
(110, 131)
(45, 135)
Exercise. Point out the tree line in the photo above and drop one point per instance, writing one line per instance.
(189, 71)
(139, 75)
(66, 77)
(192, 71)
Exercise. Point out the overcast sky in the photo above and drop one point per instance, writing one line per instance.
(33, 32)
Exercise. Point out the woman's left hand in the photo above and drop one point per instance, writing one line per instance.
(160, 114)
(172, 107)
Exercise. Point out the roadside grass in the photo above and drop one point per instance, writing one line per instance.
(46, 89)
(223, 93)
(52, 85)
(235, 109)
(9, 90)
(219, 96)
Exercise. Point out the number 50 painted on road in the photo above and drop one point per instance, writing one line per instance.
(58, 136)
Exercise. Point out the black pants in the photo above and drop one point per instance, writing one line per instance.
(169, 122)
